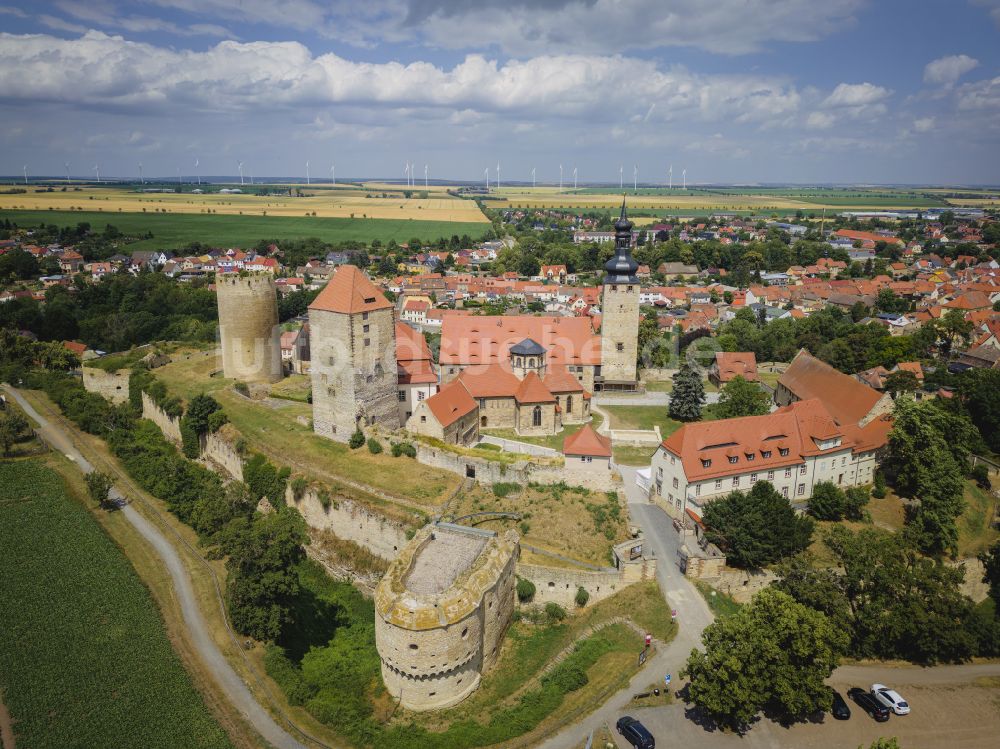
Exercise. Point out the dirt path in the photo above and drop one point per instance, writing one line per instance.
(6, 727)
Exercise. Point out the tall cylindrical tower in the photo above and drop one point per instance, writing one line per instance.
(248, 327)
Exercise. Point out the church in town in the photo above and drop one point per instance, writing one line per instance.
(530, 374)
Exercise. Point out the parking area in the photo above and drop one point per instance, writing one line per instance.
(956, 716)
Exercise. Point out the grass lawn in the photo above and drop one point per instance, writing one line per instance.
(974, 531)
(555, 441)
(84, 658)
(633, 456)
(578, 523)
(642, 417)
(660, 386)
(295, 387)
(721, 604)
(174, 230)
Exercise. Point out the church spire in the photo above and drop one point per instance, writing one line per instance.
(622, 267)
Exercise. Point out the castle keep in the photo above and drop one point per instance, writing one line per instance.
(441, 612)
(248, 327)
(620, 313)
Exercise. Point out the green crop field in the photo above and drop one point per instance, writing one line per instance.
(84, 658)
(174, 230)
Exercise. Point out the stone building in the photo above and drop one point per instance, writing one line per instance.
(452, 416)
(248, 327)
(620, 314)
(352, 341)
(441, 612)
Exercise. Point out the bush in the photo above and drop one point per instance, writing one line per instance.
(827, 502)
(554, 612)
(216, 420)
(403, 448)
(855, 500)
(525, 590)
(981, 475)
(357, 439)
(299, 485)
(879, 489)
(504, 489)
(582, 596)
(374, 446)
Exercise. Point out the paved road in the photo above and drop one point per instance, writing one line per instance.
(226, 678)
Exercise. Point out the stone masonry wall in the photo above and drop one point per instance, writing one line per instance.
(559, 585)
(169, 425)
(350, 521)
(220, 450)
(619, 324)
(248, 327)
(113, 386)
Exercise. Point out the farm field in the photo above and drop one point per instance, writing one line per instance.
(84, 660)
(333, 203)
(175, 230)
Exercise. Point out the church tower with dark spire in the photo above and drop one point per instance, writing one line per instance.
(620, 312)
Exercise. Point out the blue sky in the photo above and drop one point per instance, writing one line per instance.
(847, 91)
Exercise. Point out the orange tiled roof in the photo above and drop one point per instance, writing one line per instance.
(587, 442)
(736, 363)
(559, 380)
(349, 291)
(489, 381)
(532, 390)
(847, 399)
(480, 339)
(451, 403)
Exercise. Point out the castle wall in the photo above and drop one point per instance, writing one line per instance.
(221, 451)
(248, 327)
(169, 425)
(113, 386)
(350, 521)
(353, 369)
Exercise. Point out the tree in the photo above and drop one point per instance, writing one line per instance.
(991, 573)
(687, 396)
(263, 579)
(742, 398)
(357, 439)
(901, 381)
(756, 528)
(98, 486)
(649, 334)
(828, 502)
(12, 426)
(525, 590)
(773, 654)
(979, 390)
(856, 498)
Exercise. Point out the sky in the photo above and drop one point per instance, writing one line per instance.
(733, 91)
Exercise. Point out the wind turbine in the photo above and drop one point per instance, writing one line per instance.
(635, 178)
(97, 168)
(670, 177)
(560, 178)
(684, 175)
(178, 175)
(307, 173)
(621, 177)
(532, 177)
(25, 174)
(240, 163)
(486, 172)
(141, 180)
(197, 171)
(498, 174)
(67, 172)
(406, 172)
(333, 174)
(574, 179)
(425, 176)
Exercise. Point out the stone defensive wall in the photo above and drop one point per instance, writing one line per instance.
(248, 327)
(219, 449)
(169, 425)
(350, 521)
(441, 612)
(113, 386)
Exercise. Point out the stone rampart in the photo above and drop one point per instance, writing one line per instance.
(219, 449)
(169, 425)
(113, 386)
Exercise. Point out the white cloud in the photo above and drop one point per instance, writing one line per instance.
(983, 94)
(945, 71)
(9, 11)
(61, 25)
(820, 120)
(924, 124)
(104, 14)
(856, 95)
(234, 76)
(994, 9)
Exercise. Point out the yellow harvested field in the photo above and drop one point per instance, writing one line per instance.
(974, 202)
(419, 187)
(538, 199)
(335, 204)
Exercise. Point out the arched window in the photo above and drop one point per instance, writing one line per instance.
(536, 417)
(483, 421)
(569, 404)
(519, 361)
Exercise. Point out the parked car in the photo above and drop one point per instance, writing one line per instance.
(869, 704)
(890, 698)
(635, 733)
(840, 709)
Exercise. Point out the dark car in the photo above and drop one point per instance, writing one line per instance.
(869, 704)
(635, 733)
(840, 709)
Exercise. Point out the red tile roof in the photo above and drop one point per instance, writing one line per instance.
(736, 363)
(451, 403)
(482, 339)
(848, 400)
(558, 380)
(587, 442)
(349, 291)
(532, 390)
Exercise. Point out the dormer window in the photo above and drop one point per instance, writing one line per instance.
(783, 452)
(749, 456)
(765, 454)
(706, 462)
(734, 459)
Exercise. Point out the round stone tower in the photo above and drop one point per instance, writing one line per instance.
(248, 327)
(441, 612)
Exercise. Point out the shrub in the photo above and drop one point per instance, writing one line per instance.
(879, 490)
(855, 500)
(241, 388)
(216, 420)
(525, 527)
(299, 485)
(582, 596)
(357, 439)
(525, 590)
(554, 612)
(827, 502)
(981, 475)
(502, 489)
(374, 446)
(405, 448)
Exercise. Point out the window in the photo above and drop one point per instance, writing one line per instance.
(670, 498)
(331, 360)
(770, 475)
(843, 461)
(753, 478)
(423, 419)
(659, 472)
(706, 463)
(736, 480)
(783, 452)
(784, 492)
(734, 459)
(788, 473)
(536, 416)
(620, 346)
(765, 454)
(366, 328)
(802, 470)
(802, 489)
(519, 362)
(420, 395)
(629, 288)
(718, 484)
(569, 404)
(675, 482)
(364, 315)
(673, 460)
(749, 456)
(697, 490)
(401, 396)
(368, 341)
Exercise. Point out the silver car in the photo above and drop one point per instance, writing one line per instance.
(890, 698)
